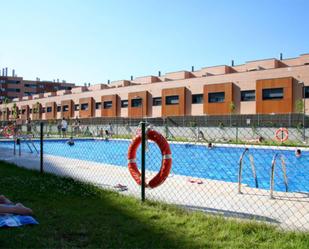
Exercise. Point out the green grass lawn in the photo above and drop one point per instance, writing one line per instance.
(77, 215)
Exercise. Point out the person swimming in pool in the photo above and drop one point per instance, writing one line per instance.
(71, 141)
(298, 153)
(210, 146)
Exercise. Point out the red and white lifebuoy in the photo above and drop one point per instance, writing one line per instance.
(166, 165)
(282, 134)
(8, 131)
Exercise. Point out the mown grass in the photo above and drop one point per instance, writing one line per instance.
(77, 215)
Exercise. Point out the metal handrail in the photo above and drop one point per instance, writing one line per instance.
(31, 151)
(272, 174)
(27, 140)
(241, 167)
(33, 145)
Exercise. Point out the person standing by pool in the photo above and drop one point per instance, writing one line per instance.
(76, 125)
(59, 128)
(28, 124)
(110, 129)
(64, 127)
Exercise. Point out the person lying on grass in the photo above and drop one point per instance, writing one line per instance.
(8, 207)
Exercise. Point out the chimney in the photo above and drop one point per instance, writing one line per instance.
(88, 84)
(108, 82)
(131, 77)
(6, 71)
(2, 71)
(232, 63)
(13, 73)
(281, 56)
(159, 73)
(192, 69)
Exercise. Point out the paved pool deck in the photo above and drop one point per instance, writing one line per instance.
(287, 210)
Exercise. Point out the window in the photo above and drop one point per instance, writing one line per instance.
(58, 108)
(197, 98)
(43, 110)
(124, 103)
(172, 100)
(107, 104)
(248, 95)
(157, 101)
(216, 97)
(23, 111)
(65, 108)
(34, 86)
(272, 93)
(30, 110)
(76, 107)
(16, 90)
(13, 81)
(49, 109)
(136, 102)
(306, 92)
(98, 105)
(84, 107)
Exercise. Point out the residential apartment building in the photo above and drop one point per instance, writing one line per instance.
(256, 87)
(16, 87)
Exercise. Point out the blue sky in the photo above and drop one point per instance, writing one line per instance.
(96, 40)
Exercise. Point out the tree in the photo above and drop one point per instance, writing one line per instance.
(299, 106)
(4, 110)
(14, 111)
(36, 108)
(232, 107)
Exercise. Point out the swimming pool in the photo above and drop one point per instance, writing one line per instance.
(220, 163)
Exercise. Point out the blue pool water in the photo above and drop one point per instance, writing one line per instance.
(220, 163)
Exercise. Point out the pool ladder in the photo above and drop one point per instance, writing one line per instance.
(29, 143)
(241, 167)
(272, 173)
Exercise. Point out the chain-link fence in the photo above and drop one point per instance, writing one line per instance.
(249, 166)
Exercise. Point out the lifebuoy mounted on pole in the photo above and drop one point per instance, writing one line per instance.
(282, 134)
(166, 165)
(9, 131)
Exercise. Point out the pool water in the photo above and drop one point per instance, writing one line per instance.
(219, 163)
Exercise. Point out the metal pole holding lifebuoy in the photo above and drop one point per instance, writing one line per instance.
(143, 160)
(284, 134)
(166, 162)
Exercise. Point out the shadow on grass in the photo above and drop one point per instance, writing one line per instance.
(72, 214)
(232, 214)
